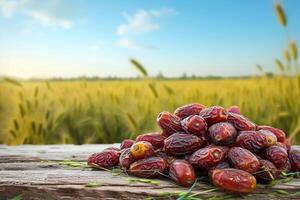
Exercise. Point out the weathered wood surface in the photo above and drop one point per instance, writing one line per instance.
(35, 172)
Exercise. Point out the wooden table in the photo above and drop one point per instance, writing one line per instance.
(37, 172)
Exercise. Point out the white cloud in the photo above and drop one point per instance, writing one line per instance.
(46, 19)
(8, 7)
(125, 42)
(38, 11)
(142, 22)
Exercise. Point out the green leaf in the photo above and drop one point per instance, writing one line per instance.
(19, 197)
(283, 192)
(296, 193)
(139, 67)
(12, 81)
(94, 184)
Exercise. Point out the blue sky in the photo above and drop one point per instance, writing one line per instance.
(53, 38)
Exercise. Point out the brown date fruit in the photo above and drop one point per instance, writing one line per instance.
(167, 157)
(182, 173)
(195, 125)
(106, 158)
(279, 157)
(233, 181)
(240, 122)
(141, 150)
(255, 141)
(295, 157)
(180, 144)
(222, 133)
(126, 158)
(243, 159)
(189, 109)
(156, 139)
(276, 131)
(169, 123)
(267, 172)
(208, 157)
(234, 109)
(148, 167)
(214, 114)
(127, 143)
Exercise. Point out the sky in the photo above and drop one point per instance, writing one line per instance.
(56, 38)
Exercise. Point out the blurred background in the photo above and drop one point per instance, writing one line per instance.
(101, 71)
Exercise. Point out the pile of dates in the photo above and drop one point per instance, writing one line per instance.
(215, 142)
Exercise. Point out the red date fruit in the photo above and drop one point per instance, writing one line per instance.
(141, 150)
(279, 156)
(276, 131)
(195, 125)
(234, 109)
(222, 133)
(255, 141)
(234, 181)
(182, 173)
(221, 165)
(214, 114)
(126, 158)
(267, 172)
(156, 139)
(189, 109)
(208, 156)
(148, 167)
(106, 158)
(180, 144)
(288, 144)
(243, 159)
(169, 123)
(241, 123)
(295, 157)
(127, 143)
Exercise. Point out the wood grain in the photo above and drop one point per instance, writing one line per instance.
(36, 172)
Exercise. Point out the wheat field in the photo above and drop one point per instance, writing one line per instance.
(48, 112)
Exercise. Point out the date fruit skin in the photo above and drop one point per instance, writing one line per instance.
(279, 157)
(267, 172)
(167, 157)
(107, 158)
(222, 133)
(221, 165)
(233, 181)
(241, 123)
(169, 123)
(280, 134)
(208, 157)
(148, 167)
(214, 114)
(243, 159)
(195, 125)
(126, 159)
(189, 109)
(156, 139)
(180, 144)
(182, 173)
(234, 109)
(255, 141)
(127, 143)
(140, 150)
(294, 157)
